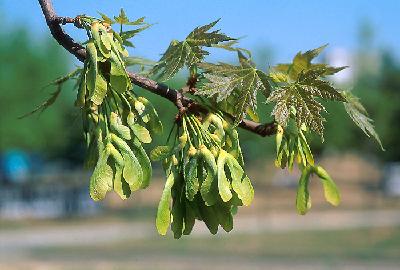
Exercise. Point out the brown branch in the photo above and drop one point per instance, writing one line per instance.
(53, 22)
(182, 102)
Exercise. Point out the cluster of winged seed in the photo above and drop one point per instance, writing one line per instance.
(205, 176)
(116, 121)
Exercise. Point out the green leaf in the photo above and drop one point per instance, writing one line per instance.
(303, 200)
(138, 61)
(228, 45)
(50, 101)
(302, 62)
(53, 96)
(359, 115)
(161, 152)
(106, 19)
(81, 95)
(239, 83)
(131, 33)
(331, 191)
(300, 97)
(121, 18)
(163, 219)
(188, 52)
(137, 21)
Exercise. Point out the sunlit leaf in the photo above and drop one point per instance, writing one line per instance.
(188, 52)
(241, 83)
(359, 115)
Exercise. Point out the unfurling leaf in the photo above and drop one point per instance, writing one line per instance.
(121, 18)
(300, 97)
(239, 83)
(188, 52)
(53, 97)
(359, 115)
(302, 62)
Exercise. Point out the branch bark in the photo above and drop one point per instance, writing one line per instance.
(54, 23)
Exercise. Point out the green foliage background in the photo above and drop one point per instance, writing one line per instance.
(28, 66)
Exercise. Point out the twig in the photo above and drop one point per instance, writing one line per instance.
(182, 102)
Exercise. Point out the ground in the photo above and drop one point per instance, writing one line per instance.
(335, 239)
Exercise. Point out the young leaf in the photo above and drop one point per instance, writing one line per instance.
(106, 19)
(188, 52)
(302, 62)
(240, 82)
(301, 95)
(359, 115)
(139, 61)
(53, 97)
(131, 33)
(121, 18)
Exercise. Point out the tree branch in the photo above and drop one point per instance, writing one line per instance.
(181, 102)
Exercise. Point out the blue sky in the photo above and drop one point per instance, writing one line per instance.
(283, 25)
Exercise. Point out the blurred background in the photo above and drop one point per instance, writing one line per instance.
(47, 220)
